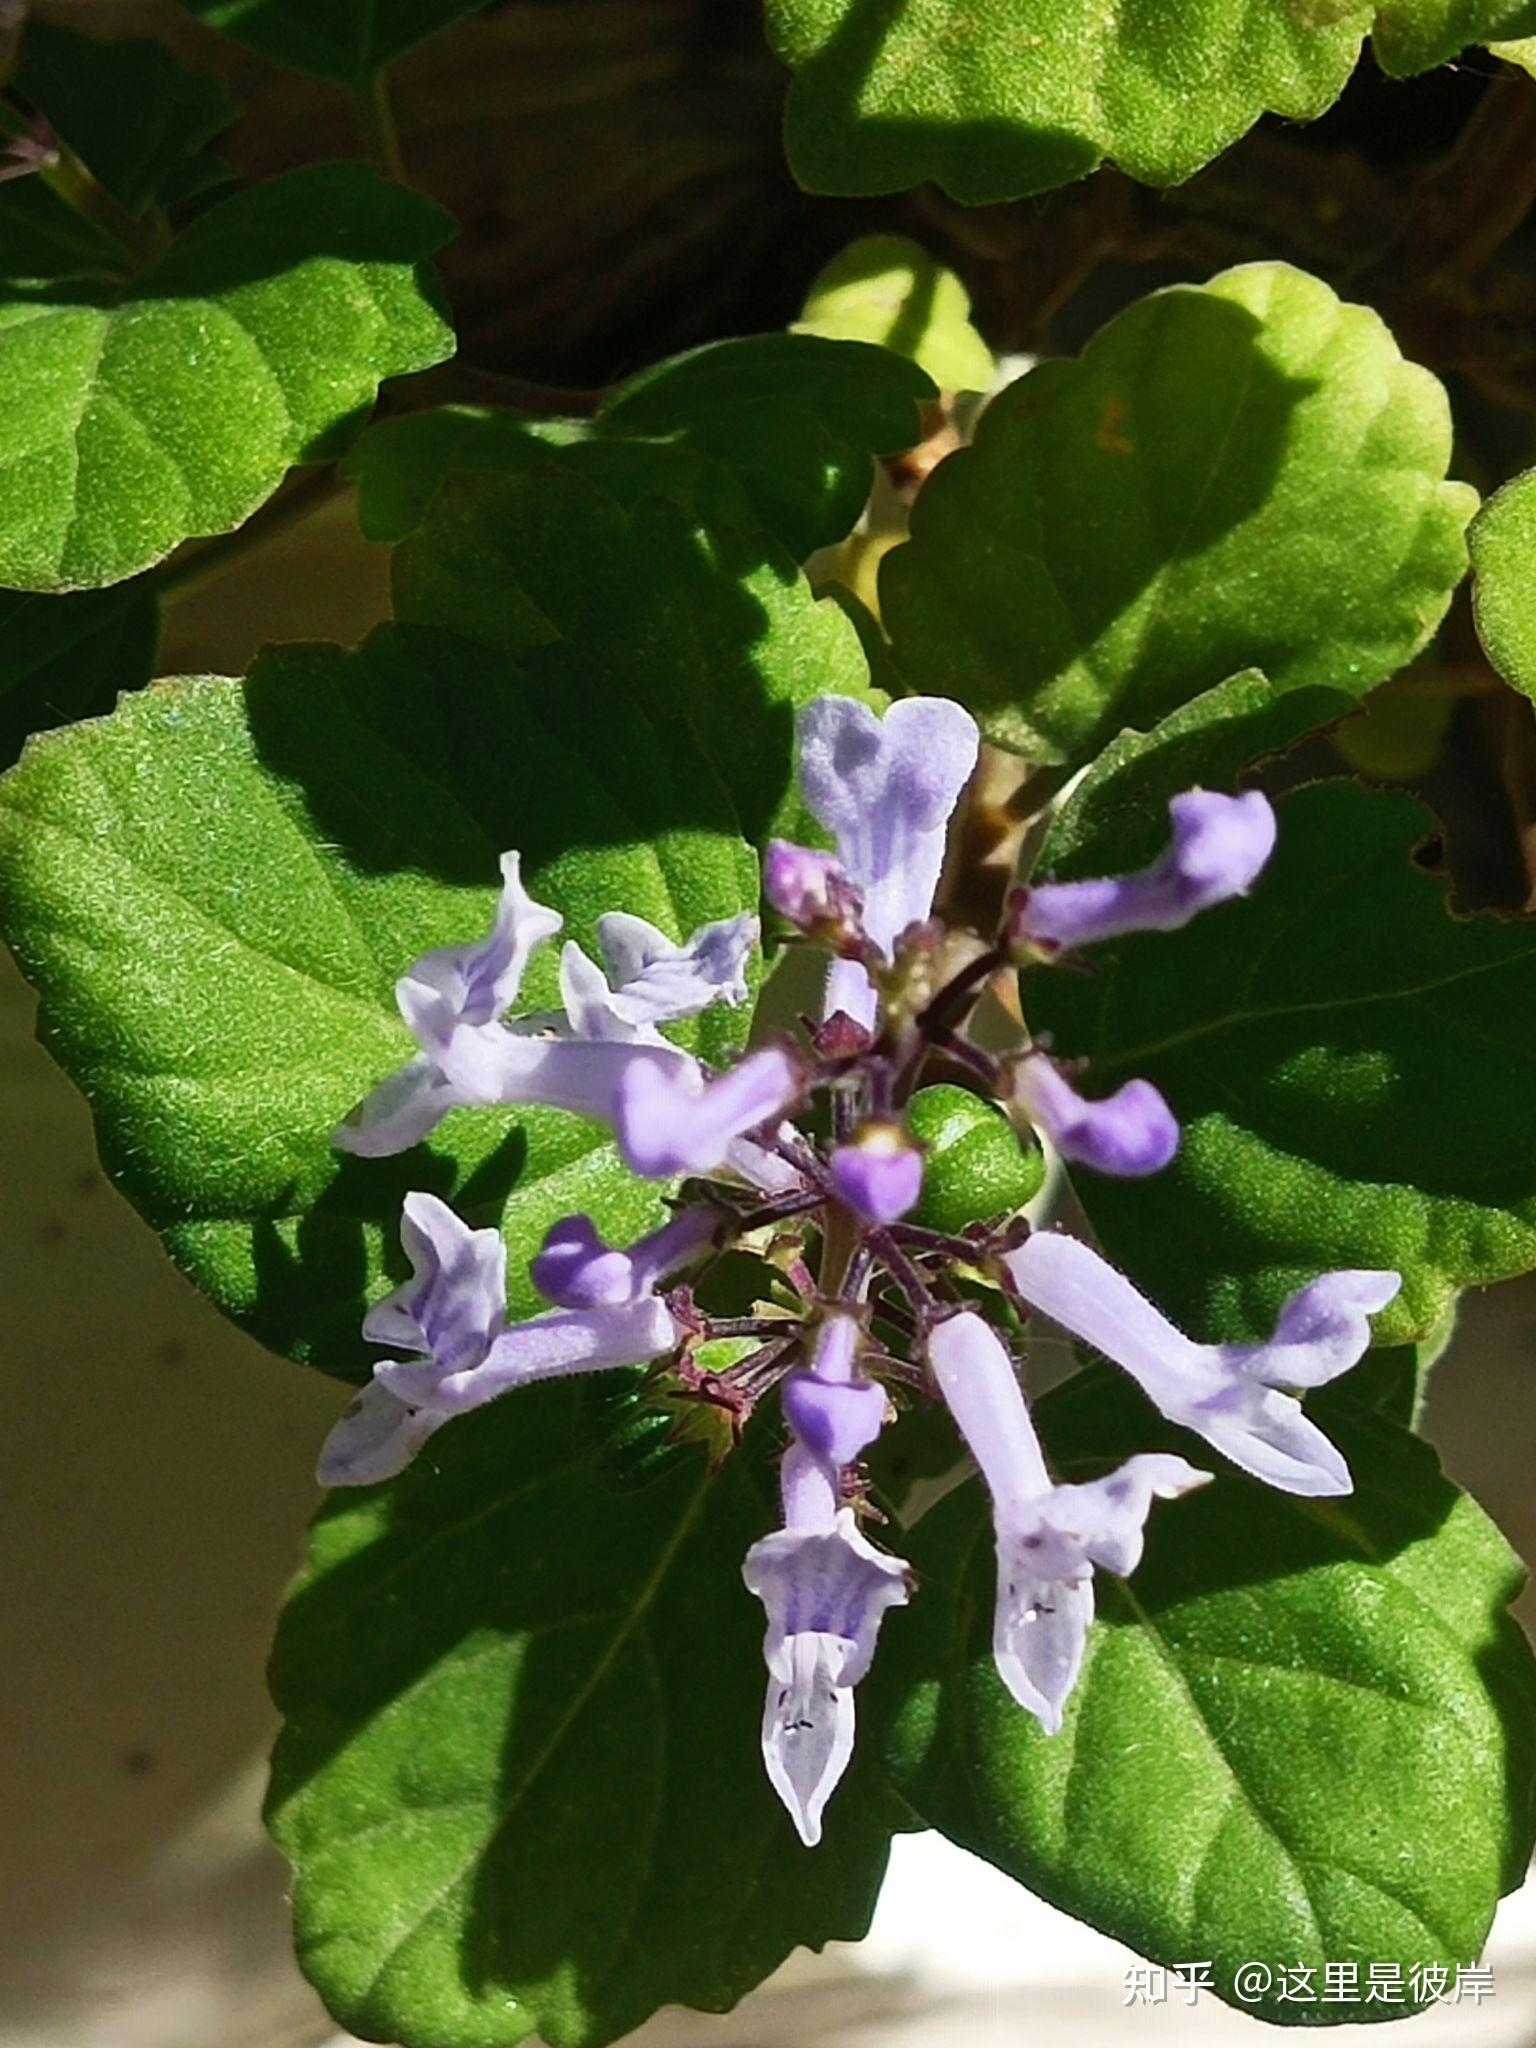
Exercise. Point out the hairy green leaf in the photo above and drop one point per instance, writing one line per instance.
(63, 658)
(142, 415)
(1241, 474)
(992, 100)
(1349, 1063)
(1502, 541)
(215, 889)
(131, 111)
(790, 420)
(888, 289)
(520, 1781)
(1302, 1735)
(347, 40)
(709, 625)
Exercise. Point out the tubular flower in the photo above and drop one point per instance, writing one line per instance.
(824, 1586)
(1228, 1393)
(1049, 1538)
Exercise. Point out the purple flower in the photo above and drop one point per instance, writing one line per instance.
(575, 1269)
(1129, 1133)
(884, 789)
(812, 892)
(455, 1001)
(824, 1586)
(452, 1311)
(1228, 1393)
(1219, 847)
(878, 1174)
(647, 980)
(1049, 1538)
(672, 1121)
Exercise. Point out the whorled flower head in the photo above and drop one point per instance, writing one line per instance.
(849, 1182)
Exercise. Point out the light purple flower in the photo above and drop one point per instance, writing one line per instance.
(812, 892)
(1129, 1133)
(1219, 847)
(672, 1121)
(884, 789)
(824, 1586)
(1228, 1393)
(455, 1002)
(452, 1311)
(878, 1174)
(575, 1269)
(648, 980)
(1049, 1538)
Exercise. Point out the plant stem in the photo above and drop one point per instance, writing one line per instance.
(376, 119)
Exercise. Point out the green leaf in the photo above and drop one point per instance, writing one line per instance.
(520, 1781)
(1349, 1065)
(1241, 474)
(1502, 542)
(63, 658)
(141, 416)
(1116, 816)
(976, 1167)
(1303, 1730)
(131, 111)
(991, 104)
(711, 626)
(889, 290)
(791, 420)
(345, 40)
(215, 889)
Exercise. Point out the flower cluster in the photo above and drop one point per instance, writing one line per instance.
(883, 1321)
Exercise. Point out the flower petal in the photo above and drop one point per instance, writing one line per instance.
(981, 1388)
(885, 789)
(405, 1107)
(669, 1125)
(475, 984)
(455, 1302)
(808, 1730)
(376, 1438)
(878, 1174)
(1218, 849)
(1130, 1133)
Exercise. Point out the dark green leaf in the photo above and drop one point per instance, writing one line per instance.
(131, 111)
(63, 658)
(1241, 474)
(1302, 1734)
(141, 417)
(347, 40)
(1350, 1066)
(43, 239)
(990, 104)
(520, 1781)
(791, 420)
(711, 623)
(215, 889)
